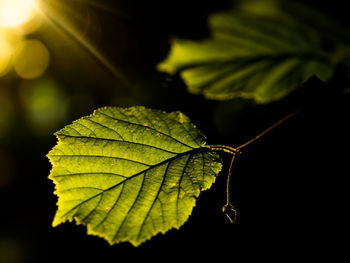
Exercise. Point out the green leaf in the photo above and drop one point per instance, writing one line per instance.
(259, 55)
(328, 25)
(130, 173)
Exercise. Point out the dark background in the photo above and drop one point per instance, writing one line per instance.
(291, 188)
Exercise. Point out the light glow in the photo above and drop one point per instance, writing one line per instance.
(14, 13)
(5, 55)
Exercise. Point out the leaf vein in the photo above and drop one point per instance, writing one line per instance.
(115, 140)
(131, 207)
(146, 127)
(166, 124)
(179, 188)
(80, 187)
(155, 199)
(112, 208)
(86, 127)
(87, 174)
(106, 127)
(93, 210)
(100, 156)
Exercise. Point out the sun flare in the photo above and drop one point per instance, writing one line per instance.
(14, 13)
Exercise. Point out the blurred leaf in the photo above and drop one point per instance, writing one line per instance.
(331, 27)
(130, 173)
(261, 55)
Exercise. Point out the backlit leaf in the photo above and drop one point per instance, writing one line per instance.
(130, 173)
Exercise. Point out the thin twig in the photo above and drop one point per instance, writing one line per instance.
(228, 208)
(268, 129)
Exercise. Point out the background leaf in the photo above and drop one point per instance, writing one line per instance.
(131, 173)
(262, 55)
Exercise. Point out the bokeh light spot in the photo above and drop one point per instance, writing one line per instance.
(46, 105)
(31, 59)
(5, 55)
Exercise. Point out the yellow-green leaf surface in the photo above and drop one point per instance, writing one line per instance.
(130, 173)
(250, 54)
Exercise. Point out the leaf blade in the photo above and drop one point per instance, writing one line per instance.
(115, 174)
